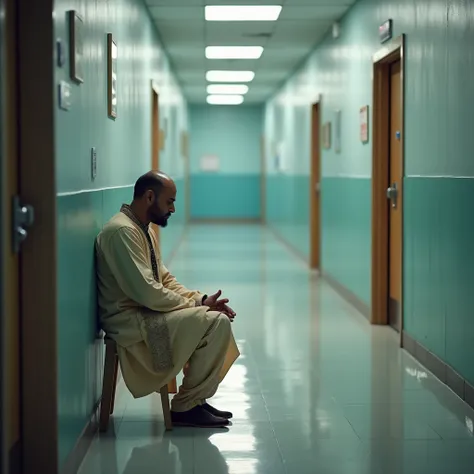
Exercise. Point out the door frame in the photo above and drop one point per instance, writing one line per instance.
(315, 193)
(263, 180)
(155, 126)
(382, 60)
(155, 137)
(10, 260)
(4, 386)
(187, 174)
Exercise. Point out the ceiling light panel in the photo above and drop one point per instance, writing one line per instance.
(230, 76)
(240, 89)
(234, 52)
(225, 99)
(242, 12)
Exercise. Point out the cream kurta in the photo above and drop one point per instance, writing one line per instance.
(157, 324)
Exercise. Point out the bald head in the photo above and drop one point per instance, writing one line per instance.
(154, 181)
(153, 198)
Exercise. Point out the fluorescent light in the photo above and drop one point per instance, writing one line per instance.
(225, 99)
(243, 12)
(233, 52)
(227, 89)
(230, 76)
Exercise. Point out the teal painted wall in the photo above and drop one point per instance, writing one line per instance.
(124, 150)
(344, 223)
(288, 209)
(234, 135)
(439, 172)
(439, 275)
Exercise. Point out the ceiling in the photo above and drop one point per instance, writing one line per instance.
(185, 34)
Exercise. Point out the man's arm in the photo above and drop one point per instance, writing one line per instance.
(129, 265)
(170, 282)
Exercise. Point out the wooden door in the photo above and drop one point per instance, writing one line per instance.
(155, 140)
(395, 199)
(387, 169)
(263, 180)
(187, 174)
(38, 255)
(155, 132)
(315, 189)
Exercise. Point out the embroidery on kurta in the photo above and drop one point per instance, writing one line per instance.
(157, 333)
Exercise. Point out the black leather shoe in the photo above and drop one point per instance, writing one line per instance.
(198, 417)
(214, 411)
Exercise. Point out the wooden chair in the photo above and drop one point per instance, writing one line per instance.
(109, 386)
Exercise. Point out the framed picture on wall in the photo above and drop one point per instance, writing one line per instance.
(337, 132)
(76, 47)
(364, 124)
(112, 58)
(326, 135)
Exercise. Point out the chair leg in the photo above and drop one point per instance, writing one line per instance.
(165, 403)
(107, 386)
(114, 386)
(173, 386)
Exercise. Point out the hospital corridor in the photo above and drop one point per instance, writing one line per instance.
(236, 237)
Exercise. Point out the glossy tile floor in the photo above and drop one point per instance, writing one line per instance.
(317, 389)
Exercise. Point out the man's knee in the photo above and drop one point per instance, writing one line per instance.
(223, 324)
(220, 322)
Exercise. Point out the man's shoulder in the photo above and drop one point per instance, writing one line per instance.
(117, 224)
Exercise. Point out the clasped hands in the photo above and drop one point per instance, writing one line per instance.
(216, 304)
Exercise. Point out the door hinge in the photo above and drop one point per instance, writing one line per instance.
(23, 218)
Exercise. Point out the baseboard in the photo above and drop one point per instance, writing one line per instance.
(77, 455)
(348, 295)
(14, 459)
(225, 220)
(440, 369)
(284, 242)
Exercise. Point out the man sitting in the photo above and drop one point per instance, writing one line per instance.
(158, 324)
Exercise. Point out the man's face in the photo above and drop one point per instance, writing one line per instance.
(162, 206)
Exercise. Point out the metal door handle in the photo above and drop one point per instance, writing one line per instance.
(23, 219)
(392, 194)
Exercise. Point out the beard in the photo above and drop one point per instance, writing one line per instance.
(158, 217)
(161, 220)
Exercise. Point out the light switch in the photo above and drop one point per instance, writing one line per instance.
(93, 163)
(64, 92)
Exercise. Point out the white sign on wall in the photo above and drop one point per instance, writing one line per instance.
(209, 163)
(280, 158)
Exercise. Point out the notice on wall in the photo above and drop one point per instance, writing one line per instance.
(280, 162)
(364, 124)
(209, 164)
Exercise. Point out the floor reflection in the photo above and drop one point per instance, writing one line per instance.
(317, 389)
(167, 457)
